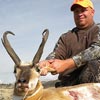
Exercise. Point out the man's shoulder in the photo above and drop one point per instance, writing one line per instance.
(70, 31)
(67, 34)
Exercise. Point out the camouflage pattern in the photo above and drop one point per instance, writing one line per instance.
(92, 53)
(89, 54)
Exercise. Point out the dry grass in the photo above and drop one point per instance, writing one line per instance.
(6, 91)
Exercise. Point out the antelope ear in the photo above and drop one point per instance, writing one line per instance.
(14, 70)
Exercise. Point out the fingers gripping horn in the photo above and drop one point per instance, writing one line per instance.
(41, 47)
(9, 49)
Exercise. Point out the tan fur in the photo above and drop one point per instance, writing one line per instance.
(92, 90)
(62, 93)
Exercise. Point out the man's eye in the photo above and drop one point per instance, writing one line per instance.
(84, 10)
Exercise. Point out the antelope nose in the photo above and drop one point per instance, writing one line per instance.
(22, 80)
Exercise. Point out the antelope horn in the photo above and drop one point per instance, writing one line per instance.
(9, 49)
(40, 49)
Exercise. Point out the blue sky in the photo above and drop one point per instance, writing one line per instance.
(27, 19)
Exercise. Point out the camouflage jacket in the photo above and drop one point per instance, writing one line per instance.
(81, 45)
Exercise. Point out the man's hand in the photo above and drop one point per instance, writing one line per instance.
(45, 67)
(62, 65)
(55, 66)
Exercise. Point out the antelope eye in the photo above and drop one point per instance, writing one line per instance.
(37, 69)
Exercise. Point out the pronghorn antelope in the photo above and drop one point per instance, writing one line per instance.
(29, 87)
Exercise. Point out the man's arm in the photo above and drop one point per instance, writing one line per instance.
(92, 53)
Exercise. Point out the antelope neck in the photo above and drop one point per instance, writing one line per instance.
(37, 94)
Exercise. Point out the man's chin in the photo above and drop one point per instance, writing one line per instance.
(81, 25)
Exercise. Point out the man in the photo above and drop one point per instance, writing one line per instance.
(76, 56)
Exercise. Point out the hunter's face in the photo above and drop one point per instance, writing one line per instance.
(83, 16)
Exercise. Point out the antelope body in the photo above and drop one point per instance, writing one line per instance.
(29, 87)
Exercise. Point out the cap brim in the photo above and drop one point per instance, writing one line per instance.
(75, 5)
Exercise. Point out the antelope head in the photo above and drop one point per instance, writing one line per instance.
(26, 73)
